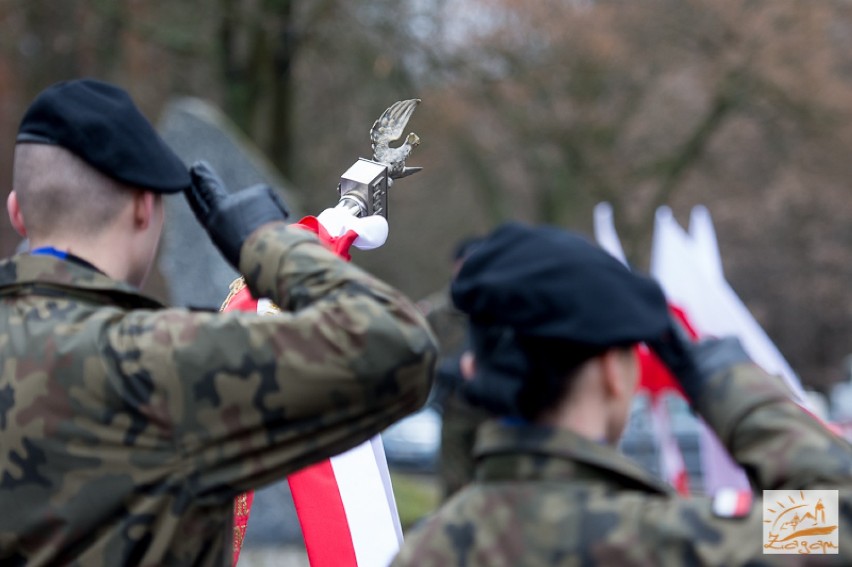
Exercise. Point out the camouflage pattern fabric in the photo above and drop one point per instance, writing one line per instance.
(547, 497)
(459, 424)
(126, 429)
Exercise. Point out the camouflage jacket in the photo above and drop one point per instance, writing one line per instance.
(546, 497)
(127, 429)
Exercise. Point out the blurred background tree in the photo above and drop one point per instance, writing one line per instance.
(532, 111)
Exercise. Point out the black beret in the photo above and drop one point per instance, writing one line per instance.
(550, 283)
(465, 246)
(99, 123)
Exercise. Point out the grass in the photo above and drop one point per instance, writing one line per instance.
(416, 496)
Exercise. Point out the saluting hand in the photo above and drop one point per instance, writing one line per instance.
(693, 363)
(231, 218)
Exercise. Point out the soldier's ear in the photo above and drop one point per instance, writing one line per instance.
(143, 208)
(15, 216)
(620, 372)
(467, 364)
(612, 373)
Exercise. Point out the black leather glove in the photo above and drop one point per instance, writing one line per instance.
(230, 218)
(693, 363)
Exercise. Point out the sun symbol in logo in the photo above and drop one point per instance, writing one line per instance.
(797, 518)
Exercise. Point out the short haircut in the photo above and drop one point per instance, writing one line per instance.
(60, 194)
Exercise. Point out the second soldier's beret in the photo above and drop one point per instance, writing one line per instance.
(99, 123)
(550, 283)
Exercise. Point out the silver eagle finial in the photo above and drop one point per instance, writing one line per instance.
(363, 188)
(389, 128)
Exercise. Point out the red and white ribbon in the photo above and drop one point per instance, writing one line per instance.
(345, 504)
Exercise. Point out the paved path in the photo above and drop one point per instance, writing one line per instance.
(284, 556)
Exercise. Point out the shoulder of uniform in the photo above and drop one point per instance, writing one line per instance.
(433, 302)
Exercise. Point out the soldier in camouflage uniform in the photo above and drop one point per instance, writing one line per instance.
(553, 322)
(127, 429)
(459, 419)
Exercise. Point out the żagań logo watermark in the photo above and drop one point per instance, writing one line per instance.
(800, 521)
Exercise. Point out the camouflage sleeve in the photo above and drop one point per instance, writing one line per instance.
(247, 398)
(591, 523)
(779, 445)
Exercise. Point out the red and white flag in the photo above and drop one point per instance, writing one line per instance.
(345, 504)
(655, 380)
(688, 267)
(347, 510)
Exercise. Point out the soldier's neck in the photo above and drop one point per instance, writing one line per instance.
(585, 420)
(585, 409)
(104, 252)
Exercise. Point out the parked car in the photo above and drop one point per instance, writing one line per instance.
(639, 441)
(414, 443)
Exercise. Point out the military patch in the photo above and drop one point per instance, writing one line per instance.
(732, 503)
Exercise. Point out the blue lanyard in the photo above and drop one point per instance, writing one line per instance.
(49, 251)
(62, 255)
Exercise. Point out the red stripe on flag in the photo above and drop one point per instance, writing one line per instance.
(743, 503)
(325, 528)
(316, 495)
(654, 376)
